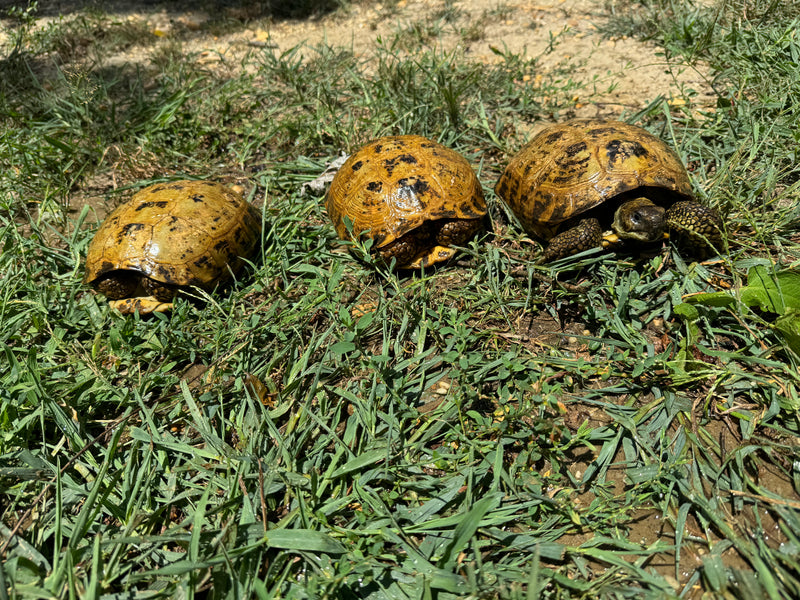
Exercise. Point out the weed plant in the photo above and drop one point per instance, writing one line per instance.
(333, 429)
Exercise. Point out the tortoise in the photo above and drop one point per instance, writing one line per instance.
(414, 197)
(170, 236)
(586, 183)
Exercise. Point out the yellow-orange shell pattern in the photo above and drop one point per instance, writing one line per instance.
(393, 186)
(572, 167)
(184, 233)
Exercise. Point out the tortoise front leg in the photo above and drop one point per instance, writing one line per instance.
(583, 236)
(404, 249)
(695, 227)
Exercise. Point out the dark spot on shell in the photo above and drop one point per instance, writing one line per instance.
(419, 186)
(561, 210)
(241, 235)
(198, 197)
(203, 261)
(374, 186)
(390, 163)
(173, 220)
(621, 149)
(162, 273)
(159, 204)
(601, 131)
(130, 229)
(502, 188)
(356, 166)
(105, 268)
(553, 137)
(574, 149)
(378, 148)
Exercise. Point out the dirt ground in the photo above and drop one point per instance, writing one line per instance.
(624, 74)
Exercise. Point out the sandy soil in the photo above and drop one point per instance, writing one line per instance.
(621, 74)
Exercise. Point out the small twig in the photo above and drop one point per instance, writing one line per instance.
(778, 501)
(257, 44)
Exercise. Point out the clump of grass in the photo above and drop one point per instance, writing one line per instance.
(329, 428)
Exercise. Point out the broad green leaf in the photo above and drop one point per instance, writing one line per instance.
(719, 299)
(343, 347)
(773, 292)
(367, 458)
(307, 540)
(686, 311)
(789, 327)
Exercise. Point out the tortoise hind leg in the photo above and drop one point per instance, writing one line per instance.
(163, 292)
(119, 284)
(457, 232)
(695, 227)
(586, 234)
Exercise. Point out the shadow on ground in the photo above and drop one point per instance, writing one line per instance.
(279, 9)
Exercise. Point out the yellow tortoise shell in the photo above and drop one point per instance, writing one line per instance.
(186, 233)
(394, 184)
(575, 166)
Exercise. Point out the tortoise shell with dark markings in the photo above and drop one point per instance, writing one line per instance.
(168, 236)
(414, 197)
(572, 167)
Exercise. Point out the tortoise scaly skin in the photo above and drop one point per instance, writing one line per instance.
(414, 197)
(167, 237)
(576, 181)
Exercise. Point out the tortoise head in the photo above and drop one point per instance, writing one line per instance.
(639, 219)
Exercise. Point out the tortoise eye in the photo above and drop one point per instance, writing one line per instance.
(636, 218)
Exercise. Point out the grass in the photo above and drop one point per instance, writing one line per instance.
(331, 429)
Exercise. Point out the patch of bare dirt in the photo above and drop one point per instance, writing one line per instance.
(624, 73)
(756, 517)
(621, 74)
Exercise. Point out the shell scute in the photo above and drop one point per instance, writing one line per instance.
(165, 232)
